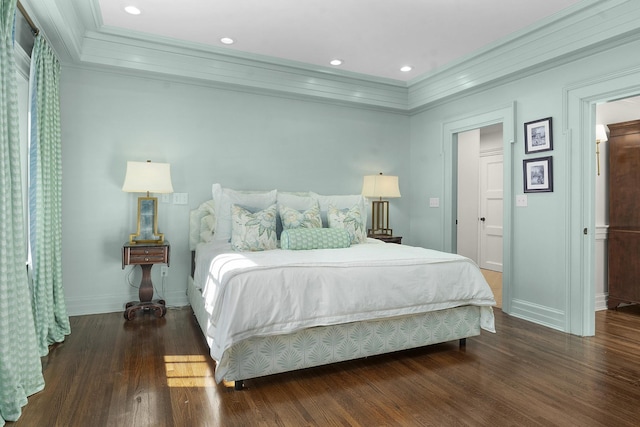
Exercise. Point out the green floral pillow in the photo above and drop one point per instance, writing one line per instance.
(292, 218)
(253, 231)
(349, 219)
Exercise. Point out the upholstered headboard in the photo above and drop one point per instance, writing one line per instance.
(202, 224)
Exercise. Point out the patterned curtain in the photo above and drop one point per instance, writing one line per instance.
(45, 198)
(20, 367)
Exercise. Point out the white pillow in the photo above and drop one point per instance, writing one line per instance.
(223, 198)
(297, 201)
(341, 202)
(253, 231)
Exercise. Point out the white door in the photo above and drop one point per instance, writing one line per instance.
(468, 194)
(491, 195)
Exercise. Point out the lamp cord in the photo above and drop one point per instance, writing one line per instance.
(130, 282)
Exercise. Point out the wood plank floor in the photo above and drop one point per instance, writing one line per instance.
(494, 279)
(155, 372)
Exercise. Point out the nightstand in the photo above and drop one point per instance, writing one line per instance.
(387, 239)
(145, 255)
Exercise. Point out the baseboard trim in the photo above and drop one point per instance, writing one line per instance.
(541, 315)
(114, 303)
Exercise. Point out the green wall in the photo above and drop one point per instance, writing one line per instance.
(539, 275)
(239, 139)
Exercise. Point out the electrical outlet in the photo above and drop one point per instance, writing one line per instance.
(164, 271)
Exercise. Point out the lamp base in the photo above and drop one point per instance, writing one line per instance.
(134, 239)
(379, 232)
(147, 222)
(380, 219)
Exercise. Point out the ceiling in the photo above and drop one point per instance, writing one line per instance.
(618, 111)
(372, 37)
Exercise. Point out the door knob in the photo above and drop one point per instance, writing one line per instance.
(482, 219)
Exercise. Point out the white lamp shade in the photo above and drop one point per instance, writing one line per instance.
(601, 133)
(380, 186)
(142, 177)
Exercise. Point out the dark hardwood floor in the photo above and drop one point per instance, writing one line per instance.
(156, 372)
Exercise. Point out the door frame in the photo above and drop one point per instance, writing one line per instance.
(579, 125)
(450, 130)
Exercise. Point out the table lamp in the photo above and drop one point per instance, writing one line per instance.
(379, 187)
(147, 177)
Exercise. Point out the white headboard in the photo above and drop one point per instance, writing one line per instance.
(202, 224)
(202, 220)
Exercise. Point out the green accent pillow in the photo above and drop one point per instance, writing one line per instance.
(314, 238)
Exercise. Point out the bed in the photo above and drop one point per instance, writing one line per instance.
(319, 296)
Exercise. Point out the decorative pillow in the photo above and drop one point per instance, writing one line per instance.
(314, 238)
(253, 231)
(340, 202)
(223, 198)
(350, 220)
(292, 218)
(300, 201)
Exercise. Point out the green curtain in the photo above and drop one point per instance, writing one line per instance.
(20, 367)
(45, 198)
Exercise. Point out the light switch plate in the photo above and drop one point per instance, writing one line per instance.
(180, 198)
(521, 200)
(434, 202)
(165, 198)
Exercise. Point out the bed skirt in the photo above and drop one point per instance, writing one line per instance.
(261, 356)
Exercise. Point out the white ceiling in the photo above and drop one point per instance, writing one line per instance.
(618, 111)
(373, 37)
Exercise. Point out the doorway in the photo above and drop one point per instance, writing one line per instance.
(616, 111)
(451, 130)
(480, 189)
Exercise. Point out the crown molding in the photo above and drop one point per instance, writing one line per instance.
(191, 61)
(79, 37)
(578, 31)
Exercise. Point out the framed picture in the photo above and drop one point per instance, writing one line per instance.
(538, 136)
(538, 175)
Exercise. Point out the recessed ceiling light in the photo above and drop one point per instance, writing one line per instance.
(405, 68)
(132, 10)
(336, 62)
(227, 40)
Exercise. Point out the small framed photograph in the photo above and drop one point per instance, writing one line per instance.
(538, 136)
(538, 175)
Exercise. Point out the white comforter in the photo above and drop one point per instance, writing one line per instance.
(280, 291)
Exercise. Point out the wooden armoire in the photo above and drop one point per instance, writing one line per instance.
(624, 213)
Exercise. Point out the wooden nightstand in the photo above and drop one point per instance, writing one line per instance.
(145, 255)
(387, 239)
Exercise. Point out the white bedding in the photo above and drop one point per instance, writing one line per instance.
(279, 291)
